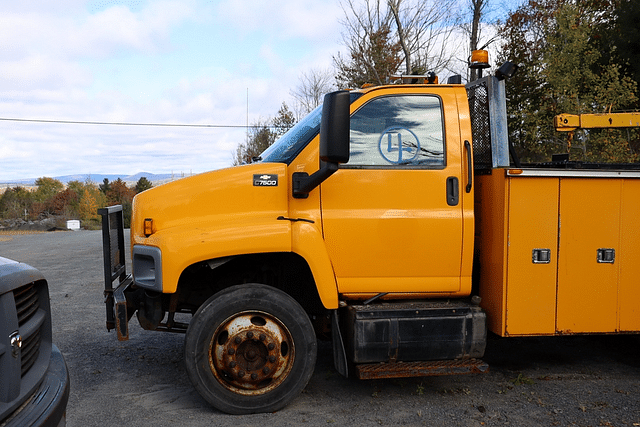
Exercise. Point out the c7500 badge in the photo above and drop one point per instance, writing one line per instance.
(265, 180)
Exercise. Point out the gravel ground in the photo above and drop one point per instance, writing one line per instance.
(552, 381)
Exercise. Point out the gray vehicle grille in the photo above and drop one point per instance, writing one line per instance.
(25, 336)
(27, 305)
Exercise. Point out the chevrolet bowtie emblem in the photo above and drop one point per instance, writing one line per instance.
(265, 180)
(16, 343)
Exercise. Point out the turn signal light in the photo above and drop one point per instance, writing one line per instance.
(148, 227)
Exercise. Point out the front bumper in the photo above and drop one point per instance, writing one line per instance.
(47, 406)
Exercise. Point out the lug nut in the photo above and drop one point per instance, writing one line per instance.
(263, 337)
(232, 364)
(271, 346)
(241, 374)
(265, 370)
(272, 359)
(249, 334)
(254, 376)
(238, 340)
(231, 352)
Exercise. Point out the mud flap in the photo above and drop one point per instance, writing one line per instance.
(339, 353)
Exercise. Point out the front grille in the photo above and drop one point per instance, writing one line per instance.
(27, 305)
(27, 302)
(25, 335)
(30, 351)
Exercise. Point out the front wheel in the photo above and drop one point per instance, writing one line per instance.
(250, 348)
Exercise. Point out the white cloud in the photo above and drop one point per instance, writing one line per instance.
(119, 28)
(78, 34)
(42, 48)
(312, 20)
(40, 72)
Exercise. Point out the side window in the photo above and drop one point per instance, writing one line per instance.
(404, 130)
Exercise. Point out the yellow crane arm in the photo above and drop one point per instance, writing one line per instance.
(571, 122)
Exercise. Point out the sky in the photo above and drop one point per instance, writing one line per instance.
(177, 62)
(220, 63)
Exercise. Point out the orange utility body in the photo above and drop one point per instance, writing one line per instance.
(579, 217)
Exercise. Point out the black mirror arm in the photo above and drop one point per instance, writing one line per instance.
(303, 183)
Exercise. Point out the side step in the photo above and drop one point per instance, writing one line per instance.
(370, 371)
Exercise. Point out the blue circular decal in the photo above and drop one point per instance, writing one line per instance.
(398, 145)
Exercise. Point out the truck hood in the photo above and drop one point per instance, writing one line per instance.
(213, 199)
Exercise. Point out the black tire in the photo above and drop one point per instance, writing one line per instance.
(250, 348)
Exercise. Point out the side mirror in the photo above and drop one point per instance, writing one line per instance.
(334, 127)
(334, 143)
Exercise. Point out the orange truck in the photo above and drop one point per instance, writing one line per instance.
(391, 220)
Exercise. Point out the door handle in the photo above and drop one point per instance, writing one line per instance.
(467, 148)
(453, 195)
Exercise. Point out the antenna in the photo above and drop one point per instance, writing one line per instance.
(247, 129)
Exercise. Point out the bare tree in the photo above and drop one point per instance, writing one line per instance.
(394, 6)
(477, 31)
(311, 89)
(373, 52)
(426, 32)
(381, 35)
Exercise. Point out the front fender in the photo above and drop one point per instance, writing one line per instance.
(307, 241)
(180, 248)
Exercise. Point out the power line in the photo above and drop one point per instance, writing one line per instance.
(78, 122)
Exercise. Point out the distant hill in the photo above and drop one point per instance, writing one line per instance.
(99, 178)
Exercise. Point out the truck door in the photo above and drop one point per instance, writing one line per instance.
(393, 215)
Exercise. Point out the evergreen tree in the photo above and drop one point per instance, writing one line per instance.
(143, 184)
(105, 186)
(259, 138)
(284, 121)
(563, 71)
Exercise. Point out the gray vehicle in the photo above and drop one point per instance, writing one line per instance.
(34, 381)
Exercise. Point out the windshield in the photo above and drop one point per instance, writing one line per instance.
(287, 147)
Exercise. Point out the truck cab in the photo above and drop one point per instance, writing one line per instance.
(397, 217)
(367, 201)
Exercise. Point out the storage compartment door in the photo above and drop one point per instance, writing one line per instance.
(629, 257)
(589, 255)
(533, 256)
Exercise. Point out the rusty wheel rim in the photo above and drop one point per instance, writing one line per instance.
(251, 353)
